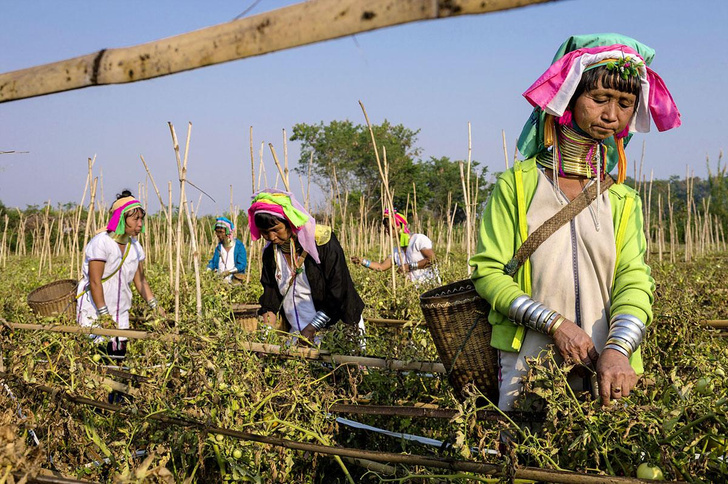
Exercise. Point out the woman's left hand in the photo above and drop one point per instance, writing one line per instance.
(308, 333)
(616, 376)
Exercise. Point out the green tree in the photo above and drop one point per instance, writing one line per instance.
(440, 176)
(344, 159)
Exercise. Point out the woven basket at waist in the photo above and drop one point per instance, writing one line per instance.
(458, 322)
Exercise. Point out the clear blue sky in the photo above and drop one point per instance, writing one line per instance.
(435, 76)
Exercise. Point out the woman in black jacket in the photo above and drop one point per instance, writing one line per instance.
(304, 275)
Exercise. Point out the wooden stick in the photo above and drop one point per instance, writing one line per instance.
(715, 323)
(154, 185)
(75, 329)
(505, 147)
(300, 24)
(284, 177)
(182, 172)
(269, 349)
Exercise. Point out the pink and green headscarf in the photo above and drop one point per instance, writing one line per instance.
(119, 209)
(400, 222)
(283, 205)
(553, 91)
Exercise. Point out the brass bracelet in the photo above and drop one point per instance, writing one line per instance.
(559, 320)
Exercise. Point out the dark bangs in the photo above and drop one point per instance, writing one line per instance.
(611, 79)
(266, 221)
(134, 211)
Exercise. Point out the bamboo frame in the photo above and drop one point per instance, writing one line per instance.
(300, 24)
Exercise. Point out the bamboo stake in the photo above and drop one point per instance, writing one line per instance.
(387, 198)
(154, 185)
(182, 172)
(673, 233)
(74, 249)
(300, 24)
(284, 176)
(169, 235)
(261, 167)
(660, 230)
(688, 235)
(505, 147)
(308, 183)
(648, 225)
(249, 237)
(4, 248)
(90, 214)
(285, 155)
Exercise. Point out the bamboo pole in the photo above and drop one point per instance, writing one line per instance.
(74, 248)
(154, 185)
(648, 218)
(284, 176)
(249, 237)
(3, 247)
(90, 213)
(387, 198)
(169, 235)
(182, 172)
(300, 24)
(505, 147)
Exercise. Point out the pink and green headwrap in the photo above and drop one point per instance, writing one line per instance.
(119, 209)
(400, 221)
(553, 91)
(283, 205)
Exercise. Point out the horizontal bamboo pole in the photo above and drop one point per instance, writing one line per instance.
(300, 351)
(388, 322)
(716, 323)
(300, 24)
(127, 333)
(246, 308)
(534, 473)
(44, 476)
(397, 365)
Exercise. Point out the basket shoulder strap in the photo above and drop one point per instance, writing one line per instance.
(563, 216)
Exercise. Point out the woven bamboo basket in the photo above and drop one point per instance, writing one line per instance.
(458, 322)
(54, 299)
(247, 318)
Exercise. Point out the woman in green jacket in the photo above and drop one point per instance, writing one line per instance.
(586, 289)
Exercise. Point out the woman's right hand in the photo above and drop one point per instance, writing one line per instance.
(575, 345)
(355, 259)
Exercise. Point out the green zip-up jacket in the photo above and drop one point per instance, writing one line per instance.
(503, 229)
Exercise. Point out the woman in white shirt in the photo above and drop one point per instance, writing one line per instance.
(413, 256)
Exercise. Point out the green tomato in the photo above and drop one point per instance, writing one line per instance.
(237, 453)
(97, 357)
(648, 471)
(219, 437)
(718, 444)
(704, 386)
